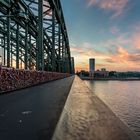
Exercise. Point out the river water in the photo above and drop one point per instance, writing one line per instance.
(123, 97)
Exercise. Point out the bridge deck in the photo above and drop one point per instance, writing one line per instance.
(32, 113)
(86, 117)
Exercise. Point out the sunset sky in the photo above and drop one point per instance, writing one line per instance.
(107, 30)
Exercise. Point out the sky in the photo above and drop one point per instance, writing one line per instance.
(107, 30)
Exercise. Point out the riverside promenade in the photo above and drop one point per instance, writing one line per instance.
(111, 78)
(64, 109)
(86, 117)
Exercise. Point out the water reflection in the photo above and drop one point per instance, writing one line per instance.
(123, 97)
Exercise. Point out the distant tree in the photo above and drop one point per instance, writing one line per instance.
(112, 74)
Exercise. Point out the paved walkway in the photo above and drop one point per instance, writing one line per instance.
(86, 117)
(32, 113)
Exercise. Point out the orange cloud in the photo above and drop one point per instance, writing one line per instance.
(136, 40)
(125, 60)
(83, 53)
(122, 53)
(121, 59)
(117, 6)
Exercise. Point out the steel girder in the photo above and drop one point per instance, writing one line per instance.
(36, 37)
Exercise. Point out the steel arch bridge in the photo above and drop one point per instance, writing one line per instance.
(33, 35)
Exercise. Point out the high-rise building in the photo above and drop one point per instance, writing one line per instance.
(72, 65)
(91, 67)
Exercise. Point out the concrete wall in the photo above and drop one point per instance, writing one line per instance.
(12, 79)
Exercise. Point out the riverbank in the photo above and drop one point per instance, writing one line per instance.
(122, 97)
(106, 79)
(86, 117)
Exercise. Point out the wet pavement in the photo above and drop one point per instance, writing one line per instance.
(86, 117)
(32, 113)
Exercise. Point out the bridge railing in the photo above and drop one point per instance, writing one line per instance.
(13, 79)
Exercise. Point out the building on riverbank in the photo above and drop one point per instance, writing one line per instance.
(91, 67)
(72, 65)
(101, 73)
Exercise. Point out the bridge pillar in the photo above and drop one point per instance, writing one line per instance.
(17, 47)
(53, 41)
(4, 46)
(26, 44)
(59, 49)
(8, 39)
(40, 45)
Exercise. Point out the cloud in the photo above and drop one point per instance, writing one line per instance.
(83, 52)
(117, 6)
(86, 50)
(136, 40)
(123, 57)
(134, 36)
(134, 58)
(122, 52)
(128, 39)
(114, 30)
(120, 40)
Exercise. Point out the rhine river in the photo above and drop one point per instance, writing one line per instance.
(123, 98)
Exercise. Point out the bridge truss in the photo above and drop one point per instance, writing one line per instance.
(33, 35)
